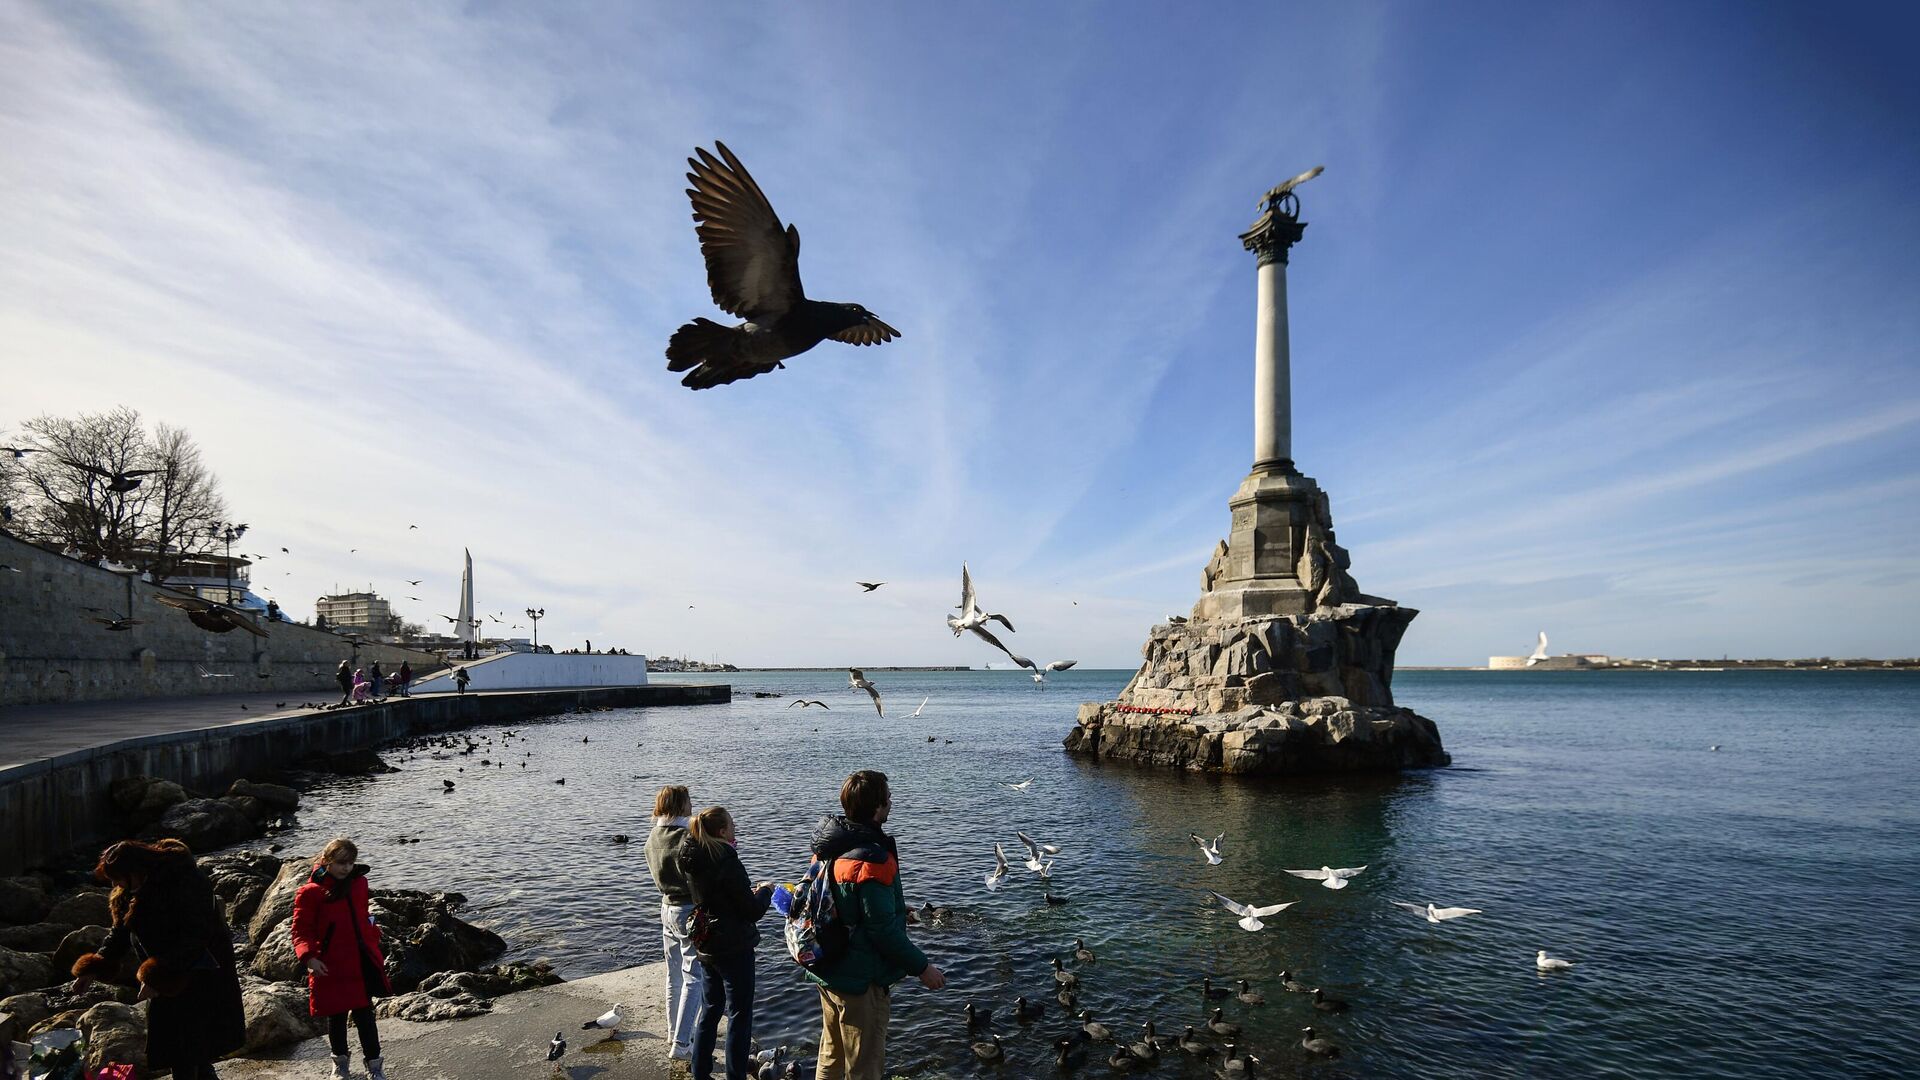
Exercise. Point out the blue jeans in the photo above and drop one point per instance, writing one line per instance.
(729, 989)
(686, 982)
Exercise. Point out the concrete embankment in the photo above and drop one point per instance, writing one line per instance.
(60, 802)
(511, 1041)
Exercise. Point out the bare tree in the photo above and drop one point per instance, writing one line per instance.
(12, 485)
(185, 504)
(102, 488)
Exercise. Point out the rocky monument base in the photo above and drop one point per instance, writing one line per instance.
(1275, 695)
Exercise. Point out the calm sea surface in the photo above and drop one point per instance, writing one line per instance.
(1749, 912)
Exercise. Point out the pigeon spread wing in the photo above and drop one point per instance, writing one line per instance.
(753, 264)
(868, 331)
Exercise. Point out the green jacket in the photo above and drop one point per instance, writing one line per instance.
(867, 894)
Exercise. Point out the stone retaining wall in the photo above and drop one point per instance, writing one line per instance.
(51, 650)
(51, 807)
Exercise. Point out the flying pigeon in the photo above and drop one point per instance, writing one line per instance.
(753, 271)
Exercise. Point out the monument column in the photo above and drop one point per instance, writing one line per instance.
(1278, 229)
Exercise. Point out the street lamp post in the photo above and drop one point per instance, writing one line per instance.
(228, 533)
(536, 614)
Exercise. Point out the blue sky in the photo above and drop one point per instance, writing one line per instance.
(1604, 322)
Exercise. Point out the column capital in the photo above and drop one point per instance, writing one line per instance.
(1276, 230)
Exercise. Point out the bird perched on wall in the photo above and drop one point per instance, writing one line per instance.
(753, 270)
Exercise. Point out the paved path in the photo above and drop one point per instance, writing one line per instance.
(35, 732)
(511, 1041)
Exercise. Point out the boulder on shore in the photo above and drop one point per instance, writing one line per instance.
(115, 1033)
(421, 936)
(23, 971)
(203, 825)
(88, 907)
(276, 903)
(279, 797)
(23, 900)
(143, 798)
(79, 943)
(276, 1015)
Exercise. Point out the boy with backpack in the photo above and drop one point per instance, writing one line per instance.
(857, 956)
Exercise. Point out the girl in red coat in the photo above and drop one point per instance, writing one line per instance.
(335, 937)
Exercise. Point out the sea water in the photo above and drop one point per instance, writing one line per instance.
(1742, 912)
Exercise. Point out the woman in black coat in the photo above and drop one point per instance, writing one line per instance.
(726, 909)
(164, 913)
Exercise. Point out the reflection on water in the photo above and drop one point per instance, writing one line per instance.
(1586, 818)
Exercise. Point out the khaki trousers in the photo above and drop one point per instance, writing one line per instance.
(853, 1034)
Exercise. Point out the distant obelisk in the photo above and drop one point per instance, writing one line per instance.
(465, 627)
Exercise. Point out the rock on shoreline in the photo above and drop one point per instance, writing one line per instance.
(435, 960)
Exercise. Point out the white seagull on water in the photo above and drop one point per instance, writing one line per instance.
(1330, 877)
(1211, 851)
(999, 871)
(1250, 916)
(857, 680)
(1550, 963)
(1035, 849)
(1022, 786)
(1436, 914)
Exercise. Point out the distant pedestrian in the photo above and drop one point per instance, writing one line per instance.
(686, 976)
(336, 939)
(362, 689)
(461, 679)
(856, 993)
(406, 679)
(344, 676)
(379, 684)
(729, 908)
(164, 911)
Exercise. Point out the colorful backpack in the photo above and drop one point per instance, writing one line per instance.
(816, 936)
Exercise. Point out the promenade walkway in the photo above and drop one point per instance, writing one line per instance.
(510, 1043)
(33, 732)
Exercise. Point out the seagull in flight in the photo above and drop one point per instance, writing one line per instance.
(971, 617)
(1250, 916)
(858, 681)
(999, 872)
(916, 709)
(869, 585)
(1040, 672)
(809, 703)
(1022, 786)
(1328, 876)
(1210, 850)
(1035, 849)
(753, 271)
(19, 452)
(205, 674)
(1436, 914)
(1282, 188)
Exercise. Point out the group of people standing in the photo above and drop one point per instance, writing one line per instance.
(166, 917)
(359, 685)
(709, 915)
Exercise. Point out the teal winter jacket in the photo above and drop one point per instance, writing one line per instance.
(866, 883)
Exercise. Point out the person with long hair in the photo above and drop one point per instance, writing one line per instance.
(724, 938)
(164, 913)
(686, 976)
(337, 940)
